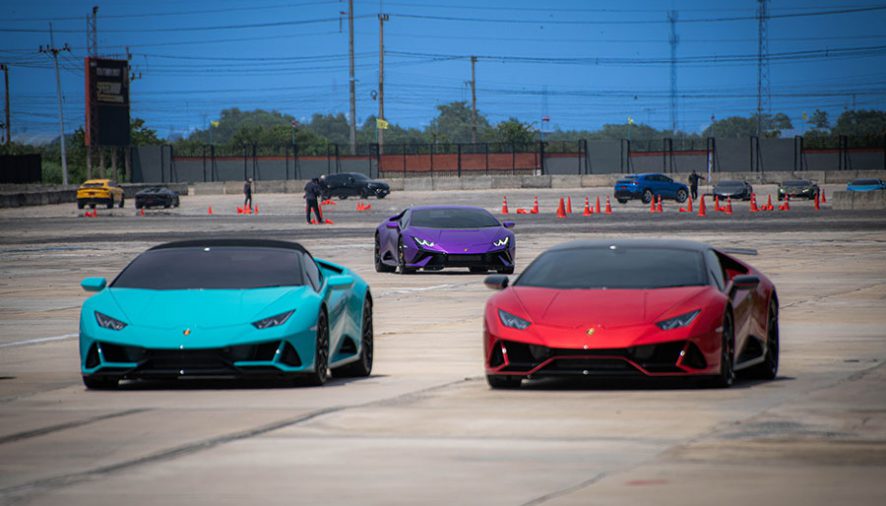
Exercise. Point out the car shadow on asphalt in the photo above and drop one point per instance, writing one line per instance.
(234, 384)
(567, 384)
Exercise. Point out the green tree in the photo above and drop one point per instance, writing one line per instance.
(861, 123)
(819, 120)
(453, 124)
(514, 131)
(739, 127)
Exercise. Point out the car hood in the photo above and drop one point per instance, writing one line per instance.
(164, 309)
(606, 308)
(461, 241)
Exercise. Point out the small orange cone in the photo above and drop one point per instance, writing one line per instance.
(534, 209)
(608, 206)
(652, 206)
(768, 203)
(504, 205)
(659, 209)
(754, 207)
(313, 221)
(786, 205)
(587, 211)
(689, 208)
(728, 205)
(141, 212)
(329, 222)
(209, 211)
(568, 205)
(817, 203)
(597, 205)
(701, 207)
(561, 210)
(717, 204)
(824, 200)
(256, 209)
(520, 210)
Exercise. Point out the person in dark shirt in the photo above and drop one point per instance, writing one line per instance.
(312, 192)
(247, 193)
(693, 184)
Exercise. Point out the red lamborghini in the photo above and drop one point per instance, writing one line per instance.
(632, 308)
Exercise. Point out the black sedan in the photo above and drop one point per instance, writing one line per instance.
(733, 189)
(352, 184)
(156, 196)
(798, 188)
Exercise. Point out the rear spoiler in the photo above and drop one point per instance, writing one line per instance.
(739, 251)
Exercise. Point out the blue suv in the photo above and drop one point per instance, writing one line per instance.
(648, 186)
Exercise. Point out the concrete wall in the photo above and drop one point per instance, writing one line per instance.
(844, 200)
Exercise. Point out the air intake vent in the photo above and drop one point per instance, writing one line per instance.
(290, 356)
(92, 359)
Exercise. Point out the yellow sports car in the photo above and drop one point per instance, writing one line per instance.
(99, 191)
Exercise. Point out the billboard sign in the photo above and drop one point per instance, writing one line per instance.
(107, 102)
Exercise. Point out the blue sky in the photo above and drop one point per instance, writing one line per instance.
(582, 63)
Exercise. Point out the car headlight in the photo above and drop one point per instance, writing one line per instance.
(273, 321)
(501, 242)
(106, 322)
(678, 321)
(514, 322)
(423, 243)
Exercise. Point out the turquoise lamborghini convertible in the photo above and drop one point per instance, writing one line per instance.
(226, 309)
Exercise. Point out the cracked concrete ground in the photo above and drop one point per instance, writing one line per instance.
(425, 429)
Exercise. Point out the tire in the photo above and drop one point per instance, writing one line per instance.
(478, 270)
(381, 196)
(138, 205)
(726, 376)
(500, 382)
(647, 196)
(122, 201)
(363, 367)
(177, 202)
(506, 270)
(167, 205)
(364, 194)
(110, 203)
(401, 259)
(380, 266)
(321, 353)
(100, 382)
(622, 201)
(682, 195)
(80, 204)
(768, 370)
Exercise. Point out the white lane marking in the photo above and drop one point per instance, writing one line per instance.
(39, 340)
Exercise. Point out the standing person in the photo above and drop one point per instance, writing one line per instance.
(247, 193)
(693, 184)
(312, 192)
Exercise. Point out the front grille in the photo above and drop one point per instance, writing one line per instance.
(440, 260)
(657, 358)
(186, 359)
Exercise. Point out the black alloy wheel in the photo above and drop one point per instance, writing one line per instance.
(363, 367)
(380, 266)
(321, 354)
(726, 377)
(401, 259)
(682, 195)
(647, 196)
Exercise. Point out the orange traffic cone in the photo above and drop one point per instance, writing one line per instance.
(561, 210)
(754, 208)
(587, 211)
(256, 209)
(568, 205)
(313, 221)
(769, 203)
(786, 205)
(728, 205)
(689, 207)
(659, 209)
(534, 209)
(520, 210)
(141, 212)
(701, 207)
(717, 204)
(824, 199)
(608, 206)
(817, 203)
(329, 222)
(597, 205)
(504, 205)
(209, 211)
(652, 206)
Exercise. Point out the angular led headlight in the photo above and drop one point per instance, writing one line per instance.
(423, 243)
(273, 321)
(106, 322)
(678, 321)
(514, 322)
(501, 242)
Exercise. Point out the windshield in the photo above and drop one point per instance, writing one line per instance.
(447, 217)
(731, 184)
(796, 183)
(92, 185)
(224, 267)
(359, 177)
(622, 267)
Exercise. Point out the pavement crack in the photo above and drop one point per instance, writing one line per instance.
(11, 438)
(564, 491)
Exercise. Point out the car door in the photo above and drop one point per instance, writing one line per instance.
(394, 235)
(742, 300)
(668, 187)
(336, 300)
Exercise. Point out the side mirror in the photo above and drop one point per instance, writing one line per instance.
(392, 224)
(496, 282)
(745, 282)
(508, 224)
(94, 284)
(340, 281)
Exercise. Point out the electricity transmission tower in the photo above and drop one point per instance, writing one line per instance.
(674, 40)
(762, 63)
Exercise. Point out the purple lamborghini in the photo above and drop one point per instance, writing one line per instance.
(434, 237)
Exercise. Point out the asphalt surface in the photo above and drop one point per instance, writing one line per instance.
(425, 428)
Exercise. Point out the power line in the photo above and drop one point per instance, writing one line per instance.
(195, 28)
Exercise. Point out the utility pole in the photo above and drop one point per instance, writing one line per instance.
(5, 68)
(762, 60)
(674, 40)
(473, 101)
(54, 51)
(353, 84)
(381, 79)
(92, 50)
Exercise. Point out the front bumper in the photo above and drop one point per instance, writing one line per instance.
(380, 192)
(433, 260)
(153, 201)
